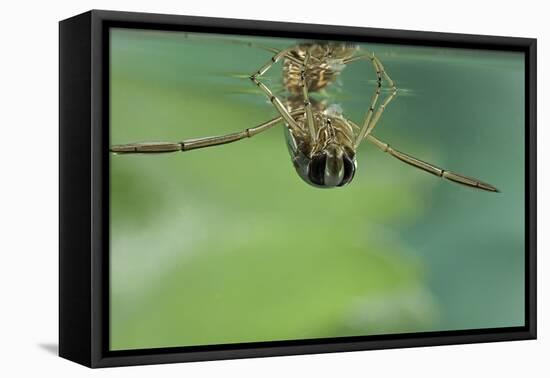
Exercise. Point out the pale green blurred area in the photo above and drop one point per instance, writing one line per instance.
(228, 245)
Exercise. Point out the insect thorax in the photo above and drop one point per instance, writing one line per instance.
(325, 65)
(330, 128)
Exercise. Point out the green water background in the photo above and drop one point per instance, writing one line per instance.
(228, 245)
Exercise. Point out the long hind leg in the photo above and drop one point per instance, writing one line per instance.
(192, 144)
(427, 167)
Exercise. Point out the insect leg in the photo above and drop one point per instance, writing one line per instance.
(207, 37)
(274, 59)
(392, 95)
(372, 118)
(274, 99)
(192, 144)
(214, 38)
(307, 103)
(427, 167)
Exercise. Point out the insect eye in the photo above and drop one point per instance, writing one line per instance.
(349, 170)
(317, 169)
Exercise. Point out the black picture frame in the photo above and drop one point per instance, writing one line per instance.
(84, 188)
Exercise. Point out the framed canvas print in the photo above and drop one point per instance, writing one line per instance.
(234, 188)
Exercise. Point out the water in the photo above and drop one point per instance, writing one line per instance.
(227, 244)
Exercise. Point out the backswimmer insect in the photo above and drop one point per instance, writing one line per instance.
(322, 142)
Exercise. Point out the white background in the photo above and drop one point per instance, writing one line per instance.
(29, 187)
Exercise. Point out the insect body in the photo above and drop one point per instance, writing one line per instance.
(330, 161)
(322, 142)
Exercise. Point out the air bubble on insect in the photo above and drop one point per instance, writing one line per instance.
(336, 65)
(334, 110)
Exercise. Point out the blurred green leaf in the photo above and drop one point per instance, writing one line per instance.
(228, 245)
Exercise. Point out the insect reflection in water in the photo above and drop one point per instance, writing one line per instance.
(322, 142)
